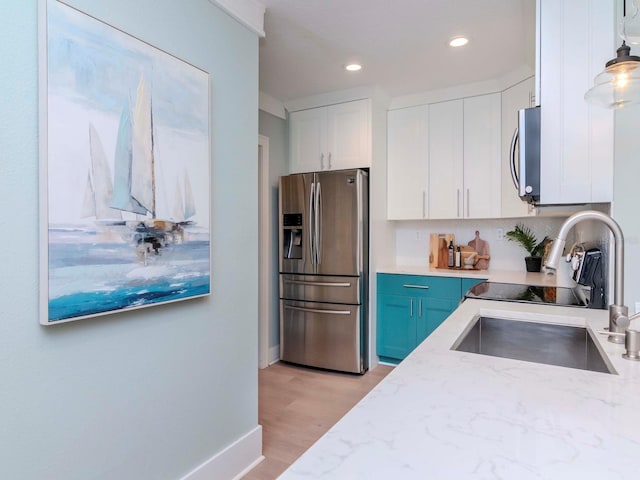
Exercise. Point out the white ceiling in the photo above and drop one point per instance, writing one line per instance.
(402, 44)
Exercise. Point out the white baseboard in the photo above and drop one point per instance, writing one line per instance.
(274, 354)
(234, 461)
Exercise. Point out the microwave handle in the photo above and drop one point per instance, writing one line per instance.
(512, 153)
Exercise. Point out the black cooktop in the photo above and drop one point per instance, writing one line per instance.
(512, 292)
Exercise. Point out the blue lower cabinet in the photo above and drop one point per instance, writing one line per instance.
(409, 309)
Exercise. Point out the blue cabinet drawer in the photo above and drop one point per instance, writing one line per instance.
(419, 285)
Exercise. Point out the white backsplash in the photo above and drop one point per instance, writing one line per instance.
(412, 239)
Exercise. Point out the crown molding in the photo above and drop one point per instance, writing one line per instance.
(248, 12)
(272, 105)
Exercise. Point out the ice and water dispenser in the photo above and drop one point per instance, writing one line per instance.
(292, 235)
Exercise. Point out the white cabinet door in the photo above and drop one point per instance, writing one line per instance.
(576, 39)
(307, 140)
(513, 99)
(407, 163)
(348, 135)
(482, 134)
(445, 160)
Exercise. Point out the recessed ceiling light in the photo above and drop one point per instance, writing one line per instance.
(353, 67)
(458, 41)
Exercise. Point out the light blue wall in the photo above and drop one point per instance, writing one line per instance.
(149, 394)
(276, 129)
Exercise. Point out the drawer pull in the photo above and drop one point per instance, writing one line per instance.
(422, 287)
(316, 310)
(319, 284)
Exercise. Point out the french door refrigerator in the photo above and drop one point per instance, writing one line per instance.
(324, 268)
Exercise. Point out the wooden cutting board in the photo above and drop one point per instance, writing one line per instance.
(438, 249)
(482, 247)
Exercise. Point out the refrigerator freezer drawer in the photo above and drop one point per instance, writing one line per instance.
(321, 335)
(316, 288)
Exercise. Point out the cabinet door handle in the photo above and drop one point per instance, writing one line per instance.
(423, 287)
(468, 214)
(458, 197)
(329, 160)
(424, 204)
(420, 308)
(411, 307)
(322, 161)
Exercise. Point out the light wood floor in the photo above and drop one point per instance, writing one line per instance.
(297, 405)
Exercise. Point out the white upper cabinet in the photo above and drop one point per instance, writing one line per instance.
(349, 135)
(482, 148)
(335, 137)
(576, 39)
(513, 99)
(464, 158)
(446, 160)
(407, 164)
(308, 140)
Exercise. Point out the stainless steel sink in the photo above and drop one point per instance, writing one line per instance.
(551, 344)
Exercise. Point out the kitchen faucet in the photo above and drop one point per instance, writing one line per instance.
(618, 313)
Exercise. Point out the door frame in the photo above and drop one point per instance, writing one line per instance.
(264, 251)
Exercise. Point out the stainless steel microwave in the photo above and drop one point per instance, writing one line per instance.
(525, 155)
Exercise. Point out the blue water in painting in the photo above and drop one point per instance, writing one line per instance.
(89, 275)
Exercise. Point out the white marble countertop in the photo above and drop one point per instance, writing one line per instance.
(444, 414)
(504, 276)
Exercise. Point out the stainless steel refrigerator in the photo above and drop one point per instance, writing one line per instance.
(324, 268)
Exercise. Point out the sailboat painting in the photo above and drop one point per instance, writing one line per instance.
(125, 172)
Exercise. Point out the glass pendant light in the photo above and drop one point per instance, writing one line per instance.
(619, 84)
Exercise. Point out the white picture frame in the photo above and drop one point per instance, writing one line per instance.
(124, 171)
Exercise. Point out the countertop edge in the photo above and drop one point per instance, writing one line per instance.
(503, 276)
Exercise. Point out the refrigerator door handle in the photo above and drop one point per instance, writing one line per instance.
(319, 284)
(318, 232)
(316, 310)
(311, 223)
(359, 240)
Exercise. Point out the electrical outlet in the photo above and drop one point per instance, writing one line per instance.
(499, 234)
(417, 234)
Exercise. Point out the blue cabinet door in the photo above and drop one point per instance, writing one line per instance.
(396, 326)
(434, 311)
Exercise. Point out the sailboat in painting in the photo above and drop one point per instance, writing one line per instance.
(134, 176)
(98, 189)
(135, 182)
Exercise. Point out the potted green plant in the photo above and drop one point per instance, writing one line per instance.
(526, 238)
